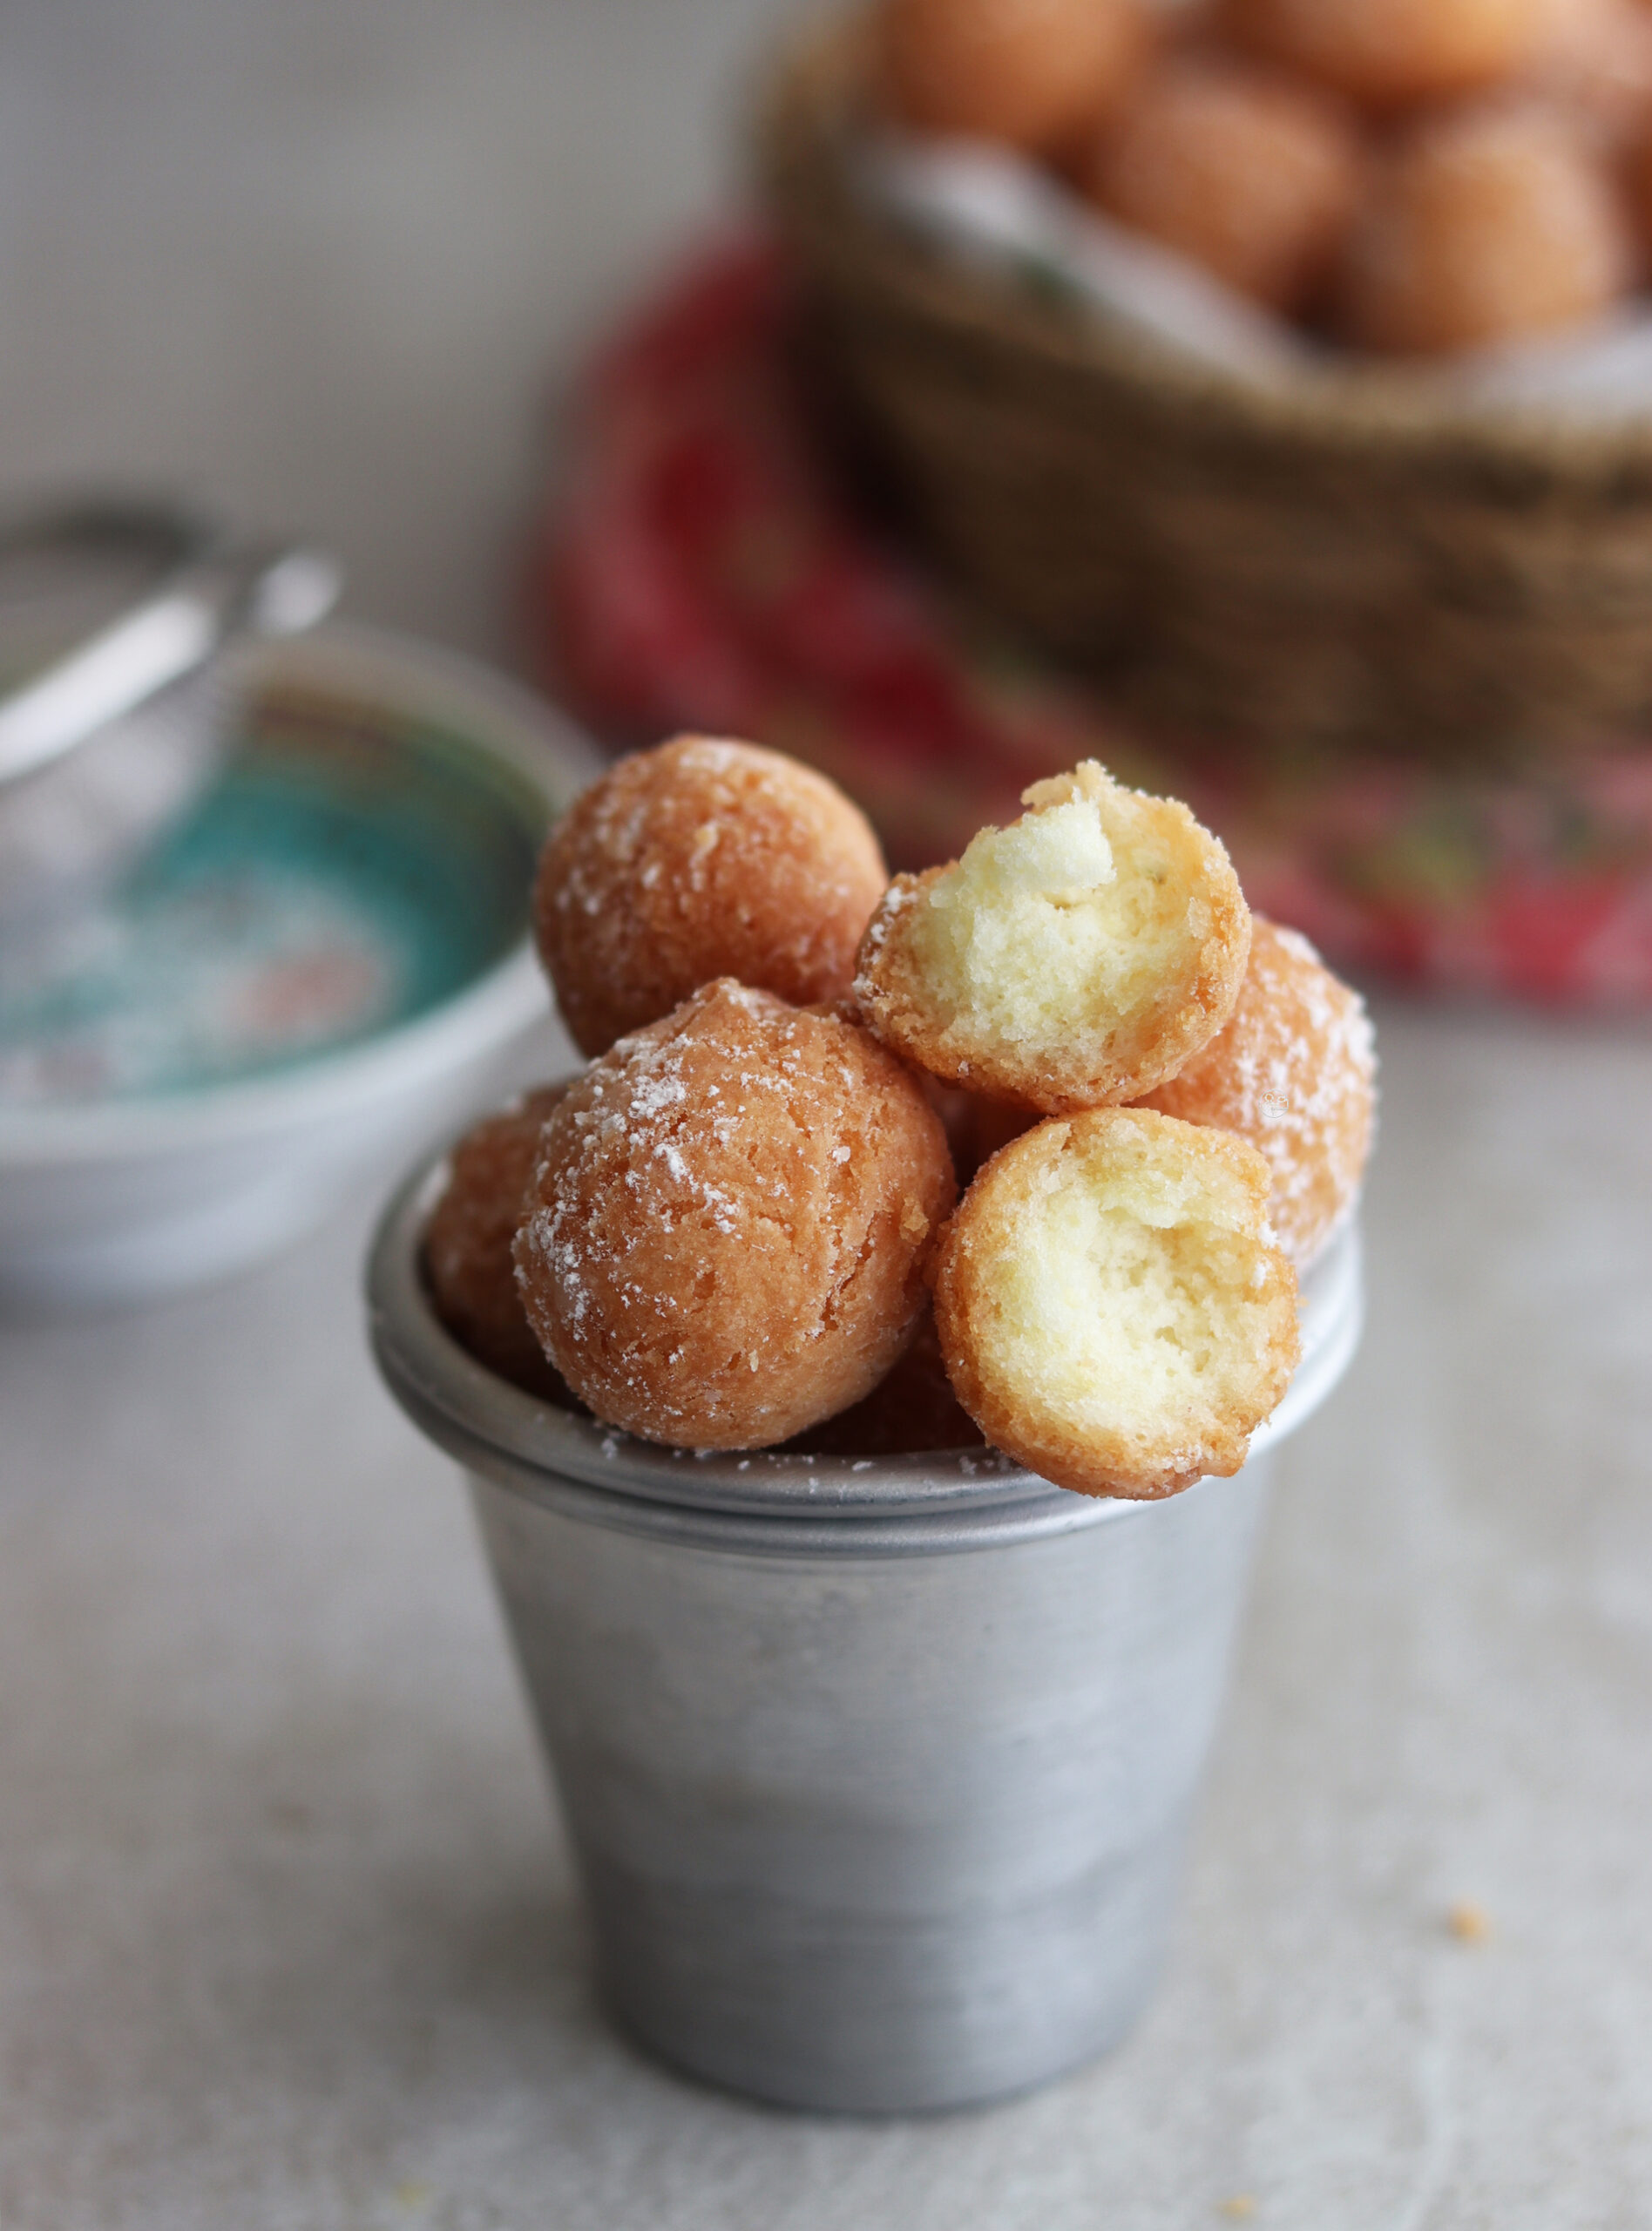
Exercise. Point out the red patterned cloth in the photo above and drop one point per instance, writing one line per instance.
(704, 568)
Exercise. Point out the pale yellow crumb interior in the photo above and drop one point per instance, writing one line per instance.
(1070, 918)
(1122, 1298)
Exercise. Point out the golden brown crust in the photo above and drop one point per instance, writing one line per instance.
(1114, 1022)
(1028, 72)
(1293, 1072)
(1249, 171)
(1595, 64)
(1389, 53)
(1113, 1351)
(701, 858)
(729, 1226)
(1486, 225)
(467, 1245)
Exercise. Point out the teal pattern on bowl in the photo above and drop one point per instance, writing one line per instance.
(354, 868)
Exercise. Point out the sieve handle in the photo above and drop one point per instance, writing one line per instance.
(261, 589)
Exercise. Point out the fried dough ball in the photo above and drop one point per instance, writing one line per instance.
(1293, 1072)
(1491, 225)
(467, 1245)
(1595, 64)
(698, 859)
(1253, 174)
(1111, 1310)
(911, 1410)
(1388, 53)
(1080, 956)
(725, 1236)
(1028, 72)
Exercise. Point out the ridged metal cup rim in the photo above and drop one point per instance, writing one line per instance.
(934, 1499)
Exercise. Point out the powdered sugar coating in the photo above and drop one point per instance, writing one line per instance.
(728, 1228)
(1294, 1073)
(701, 858)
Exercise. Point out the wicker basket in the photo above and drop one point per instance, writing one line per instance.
(1340, 557)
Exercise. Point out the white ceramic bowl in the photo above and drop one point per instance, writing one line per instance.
(189, 1155)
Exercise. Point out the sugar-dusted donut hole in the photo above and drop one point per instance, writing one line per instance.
(1027, 72)
(1293, 1072)
(727, 1233)
(1076, 958)
(1595, 65)
(701, 858)
(1389, 53)
(1111, 1309)
(468, 1264)
(1252, 173)
(1494, 223)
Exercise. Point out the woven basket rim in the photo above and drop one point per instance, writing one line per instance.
(809, 105)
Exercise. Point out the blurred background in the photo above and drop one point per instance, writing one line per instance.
(328, 263)
(288, 1933)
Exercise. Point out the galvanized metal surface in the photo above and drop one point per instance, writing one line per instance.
(879, 1833)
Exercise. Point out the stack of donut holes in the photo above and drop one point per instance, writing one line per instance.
(741, 1226)
(1406, 176)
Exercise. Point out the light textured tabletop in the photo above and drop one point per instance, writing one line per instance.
(289, 1935)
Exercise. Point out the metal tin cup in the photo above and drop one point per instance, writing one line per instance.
(879, 1773)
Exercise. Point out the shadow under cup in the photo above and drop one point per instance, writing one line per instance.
(879, 1773)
